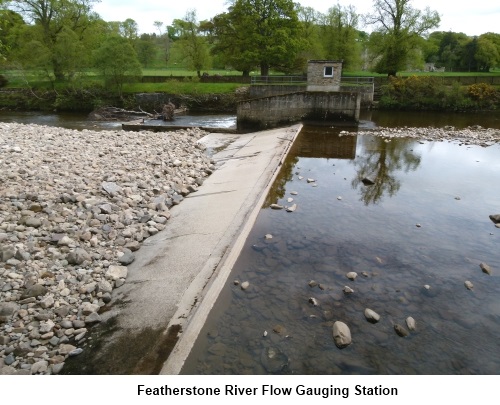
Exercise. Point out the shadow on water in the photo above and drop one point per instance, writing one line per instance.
(413, 235)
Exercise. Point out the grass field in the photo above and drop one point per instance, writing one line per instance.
(36, 80)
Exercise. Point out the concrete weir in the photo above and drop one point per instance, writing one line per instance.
(156, 316)
(286, 109)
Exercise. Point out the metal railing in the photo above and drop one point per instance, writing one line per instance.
(271, 80)
(302, 80)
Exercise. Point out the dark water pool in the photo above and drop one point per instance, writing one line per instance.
(414, 237)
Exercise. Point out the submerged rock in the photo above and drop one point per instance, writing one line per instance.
(495, 218)
(347, 290)
(485, 268)
(401, 331)
(371, 316)
(410, 322)
(341, 334)
(273, 360)
(313, 301)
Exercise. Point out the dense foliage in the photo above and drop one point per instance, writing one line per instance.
(430, 93)
(60, 40)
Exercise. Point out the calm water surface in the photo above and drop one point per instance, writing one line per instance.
(340, 226)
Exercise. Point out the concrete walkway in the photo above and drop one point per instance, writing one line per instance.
(178, 273)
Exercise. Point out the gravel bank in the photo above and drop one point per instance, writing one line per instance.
(475, 135)
(74, 207)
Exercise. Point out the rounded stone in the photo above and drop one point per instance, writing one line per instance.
(341, 334)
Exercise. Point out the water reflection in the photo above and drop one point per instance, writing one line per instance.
(379, 164)
(328, 236)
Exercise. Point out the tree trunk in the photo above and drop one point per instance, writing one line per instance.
(264, 69)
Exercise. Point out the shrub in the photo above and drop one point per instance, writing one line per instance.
(483, 94)
(430, 93)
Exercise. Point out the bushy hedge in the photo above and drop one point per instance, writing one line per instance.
(429, 93)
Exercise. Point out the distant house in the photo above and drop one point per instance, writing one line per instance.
(430, 67)
(324, 75)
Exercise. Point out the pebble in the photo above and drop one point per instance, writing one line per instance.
(245, 285)
(485, 268)
(411, 323)
(401, 331)
(77, 218)
(348, 290)
(371, 315)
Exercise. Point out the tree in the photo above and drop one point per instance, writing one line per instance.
(146, 49)
(311, 46)
(117, 61)
(339, 28)
(9, 22)
(488, 52)
(51, 18)
(263, 33)
(400, 25)
(129, 29)
(193, 47)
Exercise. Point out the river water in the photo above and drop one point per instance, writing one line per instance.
(413, 238)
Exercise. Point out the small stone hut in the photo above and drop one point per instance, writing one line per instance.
(324, 75)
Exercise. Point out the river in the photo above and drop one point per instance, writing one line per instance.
(413, 238)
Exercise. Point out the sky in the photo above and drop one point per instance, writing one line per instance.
(470, 17)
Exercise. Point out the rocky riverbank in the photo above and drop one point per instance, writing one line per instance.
(475, 135)
(74, 207)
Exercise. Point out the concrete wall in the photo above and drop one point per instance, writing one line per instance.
(269, 112)
(366, 93)
(274, 90)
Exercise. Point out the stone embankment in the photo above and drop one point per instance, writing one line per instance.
(74, 207)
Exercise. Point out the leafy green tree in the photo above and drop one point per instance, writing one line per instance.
(263, 33)
(400, 26)
(10, 21)
(339, 30)
(311, 46)
(487, 54)
(53, 17)
(192, 46)
(129, 29)
(146, 49)
(117, 60)
(164, 39)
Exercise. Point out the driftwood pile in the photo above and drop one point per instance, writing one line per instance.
(119, 114)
